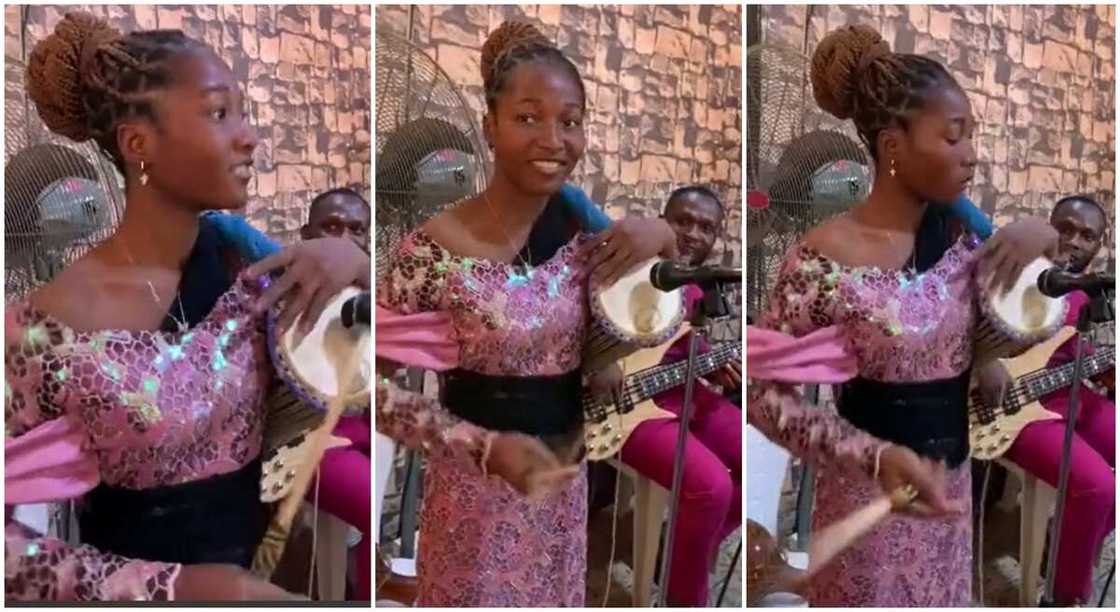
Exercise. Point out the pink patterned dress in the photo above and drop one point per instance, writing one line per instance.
(149, 417)
(483, 544)
(901, 327)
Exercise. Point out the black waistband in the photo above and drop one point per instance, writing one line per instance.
(216, 520)
(534, 405)
(930, 418)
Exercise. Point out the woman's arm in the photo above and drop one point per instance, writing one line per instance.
(40, 568)
(799, 304)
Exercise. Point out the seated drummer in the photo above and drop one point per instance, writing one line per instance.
(1090, 501)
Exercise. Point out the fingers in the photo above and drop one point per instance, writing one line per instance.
(991, 266)
(594, 243)
(614, 269)
(270, 263)
(543, 483)
(600, 263)
(734, 374)
(277, 290)
(314, 310)
(297, 304)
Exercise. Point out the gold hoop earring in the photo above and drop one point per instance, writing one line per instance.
(144, 174)
(892, 166)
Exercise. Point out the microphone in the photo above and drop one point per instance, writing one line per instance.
(1056, 282)
(667, 276)
(356, 310)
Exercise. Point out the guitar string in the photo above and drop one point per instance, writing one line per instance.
(1021, 389)
(636, 384)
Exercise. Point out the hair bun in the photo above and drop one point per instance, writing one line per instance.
(507, 37)
(838, 62)
(56, 69)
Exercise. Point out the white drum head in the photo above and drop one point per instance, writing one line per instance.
(637, 310)
(1023, 309)
(318, 359)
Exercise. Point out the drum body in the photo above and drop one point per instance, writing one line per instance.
(308, 370)
(1012, 322)
(631, 314)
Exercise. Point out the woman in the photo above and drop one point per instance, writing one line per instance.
(890, 276)
(151, 346)
(519, 317)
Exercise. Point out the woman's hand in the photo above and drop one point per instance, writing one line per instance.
(221, 582)
(899, 466)
(613, 253)
(1009, 250)
(315, 271)
(527, 464)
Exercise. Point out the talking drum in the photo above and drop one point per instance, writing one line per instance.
(327, 370)
(309, 372)
(1012, 322)
(630, 315)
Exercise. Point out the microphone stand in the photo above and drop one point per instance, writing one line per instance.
(710, 307)
(1097, 310)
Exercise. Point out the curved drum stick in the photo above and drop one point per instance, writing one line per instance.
(828, 544)
(272, 546)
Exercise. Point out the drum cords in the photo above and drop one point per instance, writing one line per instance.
(314, 535)
(618, 397)
(983, 502)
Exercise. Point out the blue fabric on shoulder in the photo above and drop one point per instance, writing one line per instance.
(591, 218)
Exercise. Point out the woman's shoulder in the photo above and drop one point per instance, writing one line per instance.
(829, 239)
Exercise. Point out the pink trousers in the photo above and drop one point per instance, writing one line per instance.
(711, 489)
(1090, 512)
(345, 492)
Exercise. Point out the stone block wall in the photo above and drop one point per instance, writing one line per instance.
(1041, 80)
(663, 86)
(305, 71)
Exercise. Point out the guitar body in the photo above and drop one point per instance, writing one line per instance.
(989, 438)
(605, 439)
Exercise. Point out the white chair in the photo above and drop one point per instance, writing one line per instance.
(1037, 501)
(651, 501)
(769, 464)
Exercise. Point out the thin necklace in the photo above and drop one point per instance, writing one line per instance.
(911, 264)
(526, 264)
(180, 322)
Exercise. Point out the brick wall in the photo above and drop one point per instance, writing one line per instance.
(663, 86)
(304, 69)
(1041, 80)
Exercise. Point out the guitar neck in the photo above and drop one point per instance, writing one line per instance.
(649, 383)
(1045, 382)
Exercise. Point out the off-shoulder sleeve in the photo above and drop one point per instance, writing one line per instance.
(416, 278)
(415, 282)
(800, 303)
(34, 392)
(38, 568)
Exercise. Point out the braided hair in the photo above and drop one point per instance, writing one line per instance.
(856, 76)
(515, 43)
(87, 78)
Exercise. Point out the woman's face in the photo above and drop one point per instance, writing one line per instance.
(536, 128)
(936, 158)
(202, 150)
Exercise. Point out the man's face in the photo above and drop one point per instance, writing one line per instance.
(1080, 231)
(696, 219)
(341, 216)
